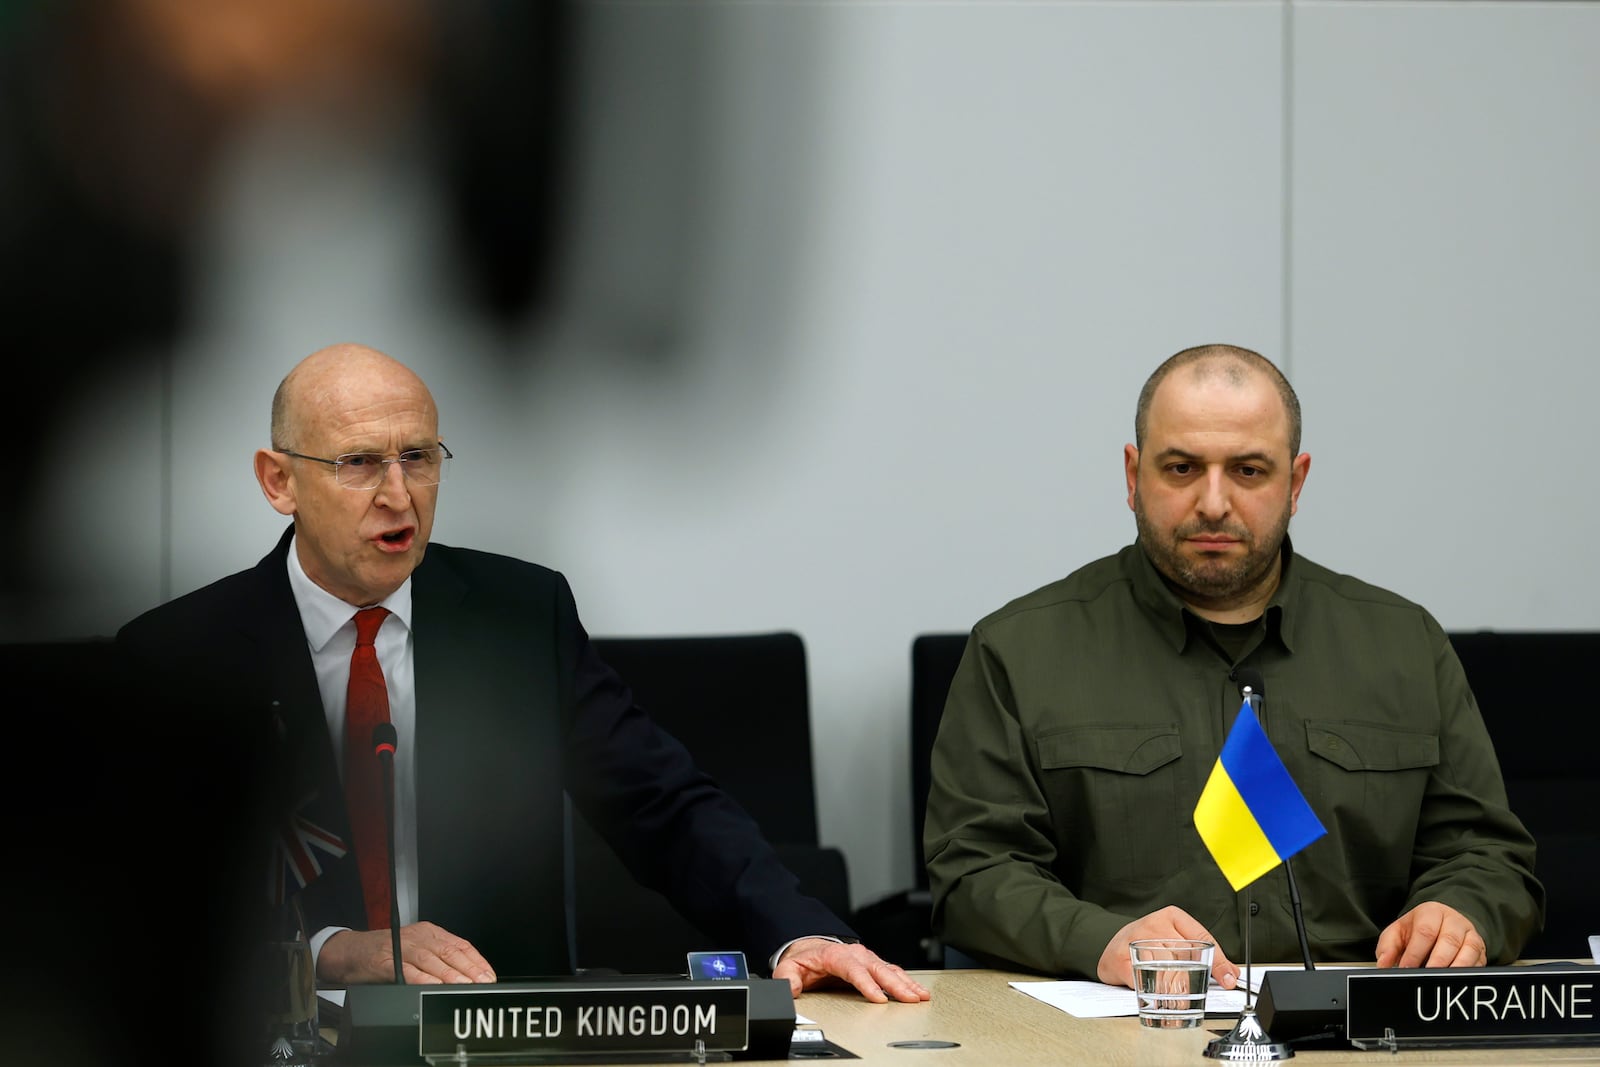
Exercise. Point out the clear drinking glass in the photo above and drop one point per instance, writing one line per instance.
(289, 991)
(1170, 976)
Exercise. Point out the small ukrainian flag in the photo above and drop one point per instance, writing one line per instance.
(1251, 815)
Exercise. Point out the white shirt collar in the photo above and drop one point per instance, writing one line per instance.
(322, 613)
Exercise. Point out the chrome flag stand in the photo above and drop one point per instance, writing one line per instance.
(1248, 1040)
(1252, 817)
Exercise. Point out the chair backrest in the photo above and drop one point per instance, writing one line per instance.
(934, 659)
(1536, 692)
(741, 705)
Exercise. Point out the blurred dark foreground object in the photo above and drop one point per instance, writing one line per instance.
(136, 867)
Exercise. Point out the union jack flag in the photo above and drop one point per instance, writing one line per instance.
(295, 862)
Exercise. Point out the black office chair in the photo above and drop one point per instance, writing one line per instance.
(934, 659)
(1536, 692)
(741, 705)
(899, 927)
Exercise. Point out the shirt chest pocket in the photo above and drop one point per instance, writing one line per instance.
(1360, 746)
(1113, 795)
(1372, 779)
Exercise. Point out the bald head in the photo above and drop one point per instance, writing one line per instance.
(342, 413)
(1228, 363)
(334, 378)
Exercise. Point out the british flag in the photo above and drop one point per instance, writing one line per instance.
(295, 853)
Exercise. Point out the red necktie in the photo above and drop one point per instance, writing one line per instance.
(366, 705)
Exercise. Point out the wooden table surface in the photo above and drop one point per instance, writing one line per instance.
(994, 1024)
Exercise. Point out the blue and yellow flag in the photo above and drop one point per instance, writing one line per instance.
(1251, 815)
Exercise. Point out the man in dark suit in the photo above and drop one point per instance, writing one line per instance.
(499, 701)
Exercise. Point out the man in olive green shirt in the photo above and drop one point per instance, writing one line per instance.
(1086, 716)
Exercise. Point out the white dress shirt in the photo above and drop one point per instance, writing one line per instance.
(331, 636)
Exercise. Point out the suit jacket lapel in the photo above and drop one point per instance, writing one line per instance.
(278, 646)
(489, 761)
(447, 669)
(275, 642)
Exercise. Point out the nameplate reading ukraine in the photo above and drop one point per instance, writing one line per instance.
(1545, 1003)
(648, 1017)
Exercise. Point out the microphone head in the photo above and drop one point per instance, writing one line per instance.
(1251, 677)
(384, 738)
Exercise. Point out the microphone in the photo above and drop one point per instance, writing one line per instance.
(384, 740)
(1254, 688)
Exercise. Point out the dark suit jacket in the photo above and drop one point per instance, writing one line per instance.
(513, 708)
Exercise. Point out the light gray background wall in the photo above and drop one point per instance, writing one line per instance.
(856, 302)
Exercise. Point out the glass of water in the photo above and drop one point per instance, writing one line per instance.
(1170, 976)
(289, 992)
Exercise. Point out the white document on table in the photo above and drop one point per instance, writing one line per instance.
(1096, 1000)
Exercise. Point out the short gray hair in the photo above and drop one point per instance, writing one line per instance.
(1237, 363)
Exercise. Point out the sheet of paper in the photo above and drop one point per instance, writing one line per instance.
(1096, 1000)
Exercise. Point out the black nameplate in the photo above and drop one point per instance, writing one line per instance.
(1476, 1005)
(563, 1020)
(382, 1024)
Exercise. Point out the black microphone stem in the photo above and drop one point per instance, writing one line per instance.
(1299, 917)
(394, 885)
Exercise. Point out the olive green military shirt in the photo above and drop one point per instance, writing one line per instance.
(1085, 718)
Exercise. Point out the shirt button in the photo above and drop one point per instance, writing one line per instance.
(1255, 907)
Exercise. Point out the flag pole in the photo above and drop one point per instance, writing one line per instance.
(1248, 1040)
(1249, 1000)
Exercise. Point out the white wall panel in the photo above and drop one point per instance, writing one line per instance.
(1446, 264)
(999, 218)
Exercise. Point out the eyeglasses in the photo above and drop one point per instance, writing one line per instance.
(366, 470)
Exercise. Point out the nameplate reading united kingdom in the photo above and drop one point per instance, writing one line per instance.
(1540, 1004)
(547, 1021)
